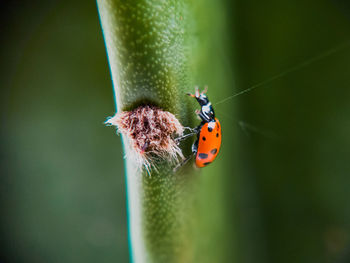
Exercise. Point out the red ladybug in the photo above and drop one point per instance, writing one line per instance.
(208, 143)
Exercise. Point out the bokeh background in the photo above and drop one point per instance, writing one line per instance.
(286, 152)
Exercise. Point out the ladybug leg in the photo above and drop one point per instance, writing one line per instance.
(194, 152)
(192, 132)
(177, 167)
(195, 147)
(197, 129)
(190, 129)
(184, 137)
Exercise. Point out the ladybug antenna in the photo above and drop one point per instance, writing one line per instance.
(197, 91)
(189, 94)
(196, 95)
(205, 90)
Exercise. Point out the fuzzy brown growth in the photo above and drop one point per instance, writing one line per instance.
(151, 132)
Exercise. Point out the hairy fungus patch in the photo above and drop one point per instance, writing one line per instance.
(151, 132)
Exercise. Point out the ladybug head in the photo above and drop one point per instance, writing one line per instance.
(201, 97)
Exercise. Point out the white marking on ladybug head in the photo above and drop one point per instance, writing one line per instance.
(212, 124)
(206, 109)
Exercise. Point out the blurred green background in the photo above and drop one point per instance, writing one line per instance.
(62, 181)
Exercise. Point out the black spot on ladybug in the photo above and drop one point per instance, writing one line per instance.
(204, 138)
(202, 156)
(210, 129)
(217, 134)
(214, 151)
(206, 163)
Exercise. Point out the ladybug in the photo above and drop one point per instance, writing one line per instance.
(208, 142)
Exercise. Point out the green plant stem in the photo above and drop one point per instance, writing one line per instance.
(146, 42)
(149, 46)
